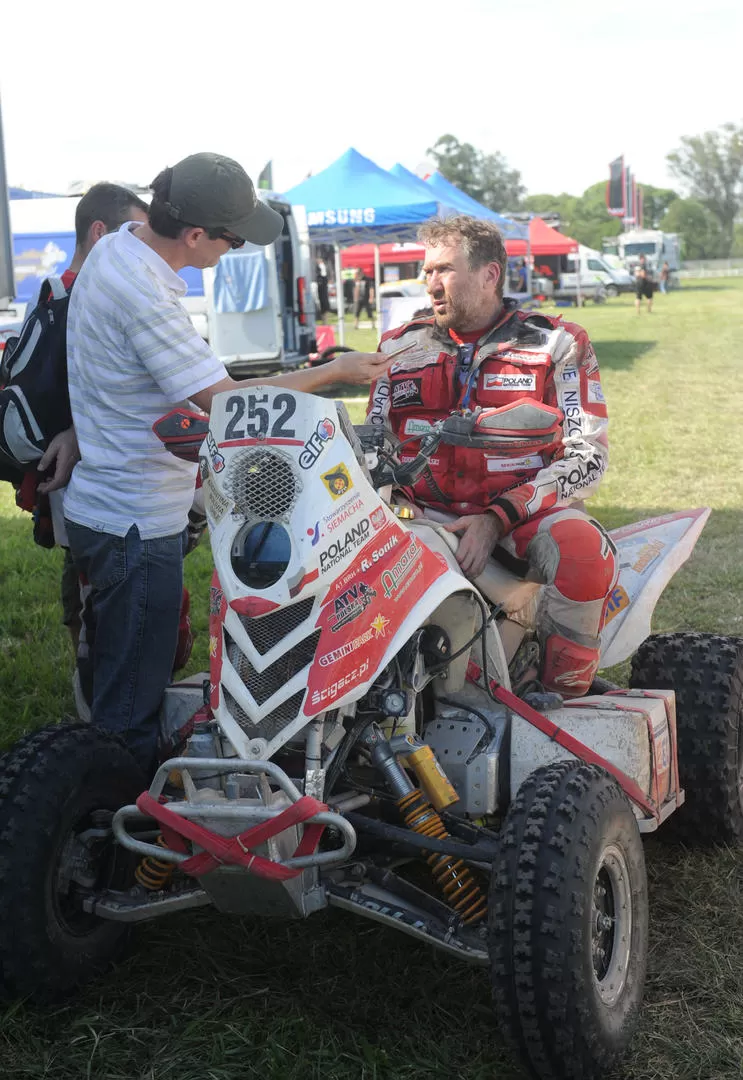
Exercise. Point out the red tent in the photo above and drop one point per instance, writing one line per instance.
(544, 240)
(362, 255)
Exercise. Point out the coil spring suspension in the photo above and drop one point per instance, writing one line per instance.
(154, 874)
(450, 874)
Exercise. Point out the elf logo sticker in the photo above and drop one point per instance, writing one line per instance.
(316, 443)
(338, 481)
(509, 382)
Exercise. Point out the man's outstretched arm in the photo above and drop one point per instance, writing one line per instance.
(358, 369)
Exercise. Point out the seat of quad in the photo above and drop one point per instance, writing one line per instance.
(496, 583)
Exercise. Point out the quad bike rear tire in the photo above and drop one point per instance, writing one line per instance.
(706, 671)
(53, 851)
(568, 923)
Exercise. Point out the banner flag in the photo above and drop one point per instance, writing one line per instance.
(265, 180)
(615, 189)
(629, 197)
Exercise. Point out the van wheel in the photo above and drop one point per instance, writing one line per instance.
(706, 671)
(58, 788)
(612, 290)
(568, 923)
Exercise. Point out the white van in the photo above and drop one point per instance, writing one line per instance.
(255, 308)
(595, 274)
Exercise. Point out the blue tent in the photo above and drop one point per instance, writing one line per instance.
(354, 201)
(465, 204)
(446, 207)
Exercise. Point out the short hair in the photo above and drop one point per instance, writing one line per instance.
(481, 241)
(109, 203)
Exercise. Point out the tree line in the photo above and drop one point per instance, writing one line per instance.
(707, 209)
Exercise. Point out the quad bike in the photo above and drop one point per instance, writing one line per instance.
(358, 743)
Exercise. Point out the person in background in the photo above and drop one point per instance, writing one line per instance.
(523, 277)
(524, 508)
(321, 281)
(643, 285)
(103, 209)
(665, 273)
(363, 298)
(134, 354)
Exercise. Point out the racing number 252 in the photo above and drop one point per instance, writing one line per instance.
(259, 418)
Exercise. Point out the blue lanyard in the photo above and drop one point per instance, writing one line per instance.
(467, 373)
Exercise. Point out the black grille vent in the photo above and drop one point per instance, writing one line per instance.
(273, 724)
(264, 684)
(268, 630)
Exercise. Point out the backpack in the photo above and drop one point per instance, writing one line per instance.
(34, 399)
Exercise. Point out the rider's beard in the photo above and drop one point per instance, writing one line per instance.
(457, 314)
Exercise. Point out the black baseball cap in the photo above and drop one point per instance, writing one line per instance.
(214, 192)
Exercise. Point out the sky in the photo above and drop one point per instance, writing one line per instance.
(559, 87)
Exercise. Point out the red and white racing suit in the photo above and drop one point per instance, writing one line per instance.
(536, 496)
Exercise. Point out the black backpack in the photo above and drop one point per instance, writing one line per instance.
(34, 399)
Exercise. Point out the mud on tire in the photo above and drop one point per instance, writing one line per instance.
(568, 923)
(706, 671)
(51, 784)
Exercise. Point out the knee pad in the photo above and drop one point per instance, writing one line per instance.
(567, 667)
(574, 554)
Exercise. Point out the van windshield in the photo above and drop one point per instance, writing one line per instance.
(645, 248)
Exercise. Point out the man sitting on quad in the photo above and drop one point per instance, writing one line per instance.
(477, 349)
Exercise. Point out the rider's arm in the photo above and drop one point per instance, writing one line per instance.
(358, 369)
(574, 475)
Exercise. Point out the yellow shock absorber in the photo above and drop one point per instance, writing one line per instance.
(450, 874)
(154, 874)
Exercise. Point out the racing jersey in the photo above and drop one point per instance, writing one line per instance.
(524, 356)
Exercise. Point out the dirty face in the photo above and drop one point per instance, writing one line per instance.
(463, 299)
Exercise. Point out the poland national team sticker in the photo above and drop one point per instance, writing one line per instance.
(506, 381)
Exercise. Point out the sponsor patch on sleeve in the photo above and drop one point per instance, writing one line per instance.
(595, 393)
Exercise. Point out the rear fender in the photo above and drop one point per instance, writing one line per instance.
(648, 555)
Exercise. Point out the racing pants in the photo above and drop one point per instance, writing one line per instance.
(573, 557)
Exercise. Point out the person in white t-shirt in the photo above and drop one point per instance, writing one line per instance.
(133, 354)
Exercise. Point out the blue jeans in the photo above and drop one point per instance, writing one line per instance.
(136, 600)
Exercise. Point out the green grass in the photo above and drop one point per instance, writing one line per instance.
(207, 997)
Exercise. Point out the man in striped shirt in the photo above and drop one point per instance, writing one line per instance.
(133, 354)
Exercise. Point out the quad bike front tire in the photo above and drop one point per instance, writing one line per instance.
(568, 923)
(706, 671)
(55, 848)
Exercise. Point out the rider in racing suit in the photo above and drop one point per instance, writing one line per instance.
(524, 507)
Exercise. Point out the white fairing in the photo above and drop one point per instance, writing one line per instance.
(366, 581)
(648, 555)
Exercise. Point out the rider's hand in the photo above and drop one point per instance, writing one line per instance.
(358, 368)
(480, 534)
(63, 454)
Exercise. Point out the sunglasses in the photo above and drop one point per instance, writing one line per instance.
(234, 241)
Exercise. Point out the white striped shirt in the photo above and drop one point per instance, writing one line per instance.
(132, 354)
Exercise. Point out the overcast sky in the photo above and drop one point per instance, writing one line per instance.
(93, 91)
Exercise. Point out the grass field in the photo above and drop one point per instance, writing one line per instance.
(207, 997)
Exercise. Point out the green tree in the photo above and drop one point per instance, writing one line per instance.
(711, 167)
(485, 177)
(655, 202)
(698, 227)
